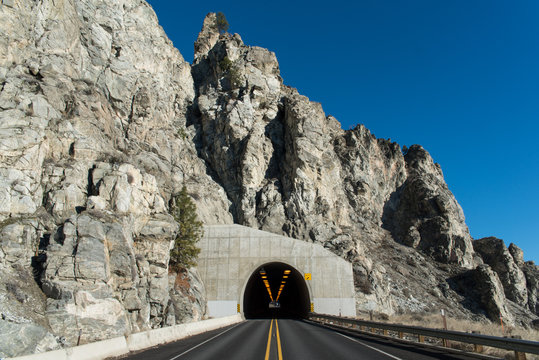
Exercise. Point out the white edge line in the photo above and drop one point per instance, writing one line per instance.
(370, 347)
(202, 343)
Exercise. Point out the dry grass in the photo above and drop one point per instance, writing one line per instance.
(434, 321)
(487, 328)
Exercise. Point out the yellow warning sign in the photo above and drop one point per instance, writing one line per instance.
(238, 307)
(307, 276)
(312, 307)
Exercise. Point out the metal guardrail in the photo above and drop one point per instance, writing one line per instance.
(517, 345)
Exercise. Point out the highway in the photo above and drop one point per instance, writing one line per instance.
(286, 339)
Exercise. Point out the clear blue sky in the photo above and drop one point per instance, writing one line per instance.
(460, 78)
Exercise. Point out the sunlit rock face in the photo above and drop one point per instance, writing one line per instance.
(101, 120)
(93, 140)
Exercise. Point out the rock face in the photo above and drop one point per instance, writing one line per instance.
(520, 279)
(425, 215)
(101, 121)
(93, 140)
(494, 252)
(531, 271)
(484, 292)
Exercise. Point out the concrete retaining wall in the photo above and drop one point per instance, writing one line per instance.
(123, 345)
(155, 337)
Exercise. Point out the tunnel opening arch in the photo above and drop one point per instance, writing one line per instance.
(292, 301)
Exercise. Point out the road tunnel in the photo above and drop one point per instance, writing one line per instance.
(276, 290)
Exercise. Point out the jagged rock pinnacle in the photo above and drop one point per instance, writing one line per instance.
(208, 36)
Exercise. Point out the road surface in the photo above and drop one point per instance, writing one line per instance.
(286, 339)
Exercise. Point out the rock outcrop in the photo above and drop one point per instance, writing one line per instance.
(425, 215)
(102, 120)
(484, 292)
(494, 253)
(531, 271)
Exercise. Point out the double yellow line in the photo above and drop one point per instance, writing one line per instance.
(279, 351)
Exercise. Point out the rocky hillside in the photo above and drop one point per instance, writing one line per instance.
(101, 120)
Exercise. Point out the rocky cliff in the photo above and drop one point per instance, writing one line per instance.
(101, 120)
(93, 141)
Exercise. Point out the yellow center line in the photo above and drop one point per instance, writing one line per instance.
(269, 341)
(278, 341)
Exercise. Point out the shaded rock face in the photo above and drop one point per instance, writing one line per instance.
(484, 292)
(531, 274)
(97, 268)
(494, 253)
(425, 215)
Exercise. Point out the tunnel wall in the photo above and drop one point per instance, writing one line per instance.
(231, 253)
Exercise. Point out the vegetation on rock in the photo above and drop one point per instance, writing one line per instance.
(221, 23)
(185, 251)
(231, 72)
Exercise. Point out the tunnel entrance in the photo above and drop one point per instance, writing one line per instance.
(276, 290)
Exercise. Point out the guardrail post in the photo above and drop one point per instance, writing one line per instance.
(476, 347)
(519, 355)
(446, 343)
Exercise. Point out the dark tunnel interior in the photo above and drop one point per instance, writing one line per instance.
(293, 300)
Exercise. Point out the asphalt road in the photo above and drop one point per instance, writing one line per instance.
(286, 339)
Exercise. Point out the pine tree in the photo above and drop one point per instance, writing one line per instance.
(185, 251)
(222, 23)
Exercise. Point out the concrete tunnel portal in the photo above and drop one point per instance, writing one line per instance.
(232, 258)
(276, 290)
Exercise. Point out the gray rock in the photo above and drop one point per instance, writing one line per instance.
(483, 287)
(131, 300)
(186, 292)
(208, 36)
(494, 253)
(517, 254)
(425, 215)
(531, 271)
(26, 338)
